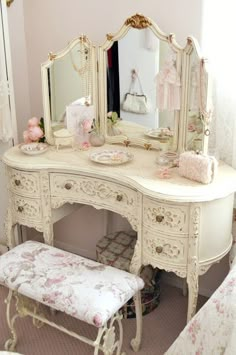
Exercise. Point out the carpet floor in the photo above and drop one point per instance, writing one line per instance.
(160, 328)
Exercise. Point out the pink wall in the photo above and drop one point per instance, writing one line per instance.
(37, 27)
(49, 25)
(19, 64)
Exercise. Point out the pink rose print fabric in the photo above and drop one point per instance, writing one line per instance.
(80, 287)
(212, 331)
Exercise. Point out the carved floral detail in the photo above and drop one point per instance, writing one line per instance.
(8, 225)
(136, 262)
(170, 249)
(97, 194)
(22, 182)
(109, 36)
(51, 56)
(193, 272)
(161, 216)
(157, 262)
(47, 212)
(93, 188)
(138, 21)
(27, 208)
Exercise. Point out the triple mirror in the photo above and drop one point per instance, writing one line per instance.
(139, 88)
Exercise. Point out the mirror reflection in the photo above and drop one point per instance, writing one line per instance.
(151, 91)
(68, 80)
(68, 84)
(143, 87)
(195, 125)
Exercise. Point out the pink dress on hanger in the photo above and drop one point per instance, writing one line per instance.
(168, 87)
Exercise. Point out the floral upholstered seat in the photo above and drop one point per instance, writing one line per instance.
(82, 288)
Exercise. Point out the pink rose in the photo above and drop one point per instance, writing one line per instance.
(26, 137)
(35, 133)
(164, 173)
(191, 127)
(97, 320)
(85, 145)
(34, 121)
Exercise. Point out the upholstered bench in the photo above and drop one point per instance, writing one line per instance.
(82, 288)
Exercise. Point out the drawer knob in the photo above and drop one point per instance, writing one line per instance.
(20, 208)
(159, 250)
(17, 182)
(159, 218)
(119, 197)
(68, 186)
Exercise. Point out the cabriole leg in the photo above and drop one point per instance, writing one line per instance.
(136, 342)
(135, 269)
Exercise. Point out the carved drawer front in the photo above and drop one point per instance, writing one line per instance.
(94, 191)
(165, 248)
(24, 183)
(165, 217)
(26, 209)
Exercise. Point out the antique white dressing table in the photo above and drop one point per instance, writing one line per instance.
(183, 226)
(177, 220)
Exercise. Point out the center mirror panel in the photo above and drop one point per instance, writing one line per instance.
(141, 96)
(69, 84)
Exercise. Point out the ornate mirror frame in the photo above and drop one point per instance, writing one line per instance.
(139, 22)
(99, 86)
(52, 58)
(204, 84)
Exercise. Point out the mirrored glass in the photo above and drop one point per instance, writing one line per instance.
(133, 100)
(195, 126)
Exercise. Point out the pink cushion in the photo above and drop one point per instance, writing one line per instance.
(80, 287)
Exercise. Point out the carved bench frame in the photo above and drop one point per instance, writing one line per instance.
(105, 340)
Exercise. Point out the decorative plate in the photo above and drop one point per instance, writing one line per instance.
(33, 148)
(111, 157)
(159, 133)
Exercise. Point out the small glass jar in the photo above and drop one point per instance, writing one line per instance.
(162, 160)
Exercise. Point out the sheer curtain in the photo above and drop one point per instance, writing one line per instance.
(5, 114)
(219, 45)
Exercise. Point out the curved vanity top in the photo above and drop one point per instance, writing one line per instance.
(140, 173)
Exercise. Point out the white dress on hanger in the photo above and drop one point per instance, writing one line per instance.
(168, 87)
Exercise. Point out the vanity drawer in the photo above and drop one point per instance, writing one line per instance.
(24, 183)
(164, 217)
(94, 191)
(26, 209)
(164, 248)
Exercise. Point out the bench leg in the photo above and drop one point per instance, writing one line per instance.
(106, 338)
(136, 342)
(10, 344)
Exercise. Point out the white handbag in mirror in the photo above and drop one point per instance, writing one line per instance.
(134, 102)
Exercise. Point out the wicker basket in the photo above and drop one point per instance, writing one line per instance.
(116, 249)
